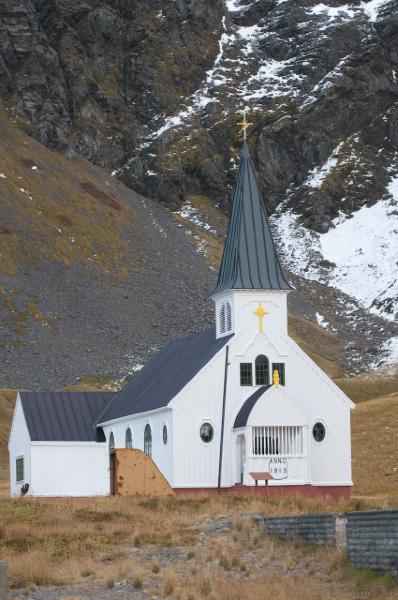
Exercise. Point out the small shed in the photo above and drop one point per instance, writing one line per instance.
(55, 447)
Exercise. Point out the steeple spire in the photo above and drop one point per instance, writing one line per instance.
(250, 260)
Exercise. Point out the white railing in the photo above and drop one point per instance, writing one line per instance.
(278, 440)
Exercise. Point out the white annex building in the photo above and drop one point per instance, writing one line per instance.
(210, 409)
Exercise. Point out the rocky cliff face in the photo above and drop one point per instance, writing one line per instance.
(153, 91)
(90, 76)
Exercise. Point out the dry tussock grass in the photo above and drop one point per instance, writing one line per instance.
(62, 211)
(375, 450)
(52, 541)
(58, 541)
(370, 386)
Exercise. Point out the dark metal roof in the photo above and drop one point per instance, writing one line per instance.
(165, 375)
(250, 260)
(64, 416)
(248, 405)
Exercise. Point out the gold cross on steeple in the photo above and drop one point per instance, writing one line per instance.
(245, 124)
(260, 313)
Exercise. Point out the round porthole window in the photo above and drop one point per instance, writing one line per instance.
(164, 434)
(206, 432)
(319, 432)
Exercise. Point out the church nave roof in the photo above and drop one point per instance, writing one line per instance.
(165, 375)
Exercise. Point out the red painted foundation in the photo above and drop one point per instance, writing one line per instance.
(306, 491)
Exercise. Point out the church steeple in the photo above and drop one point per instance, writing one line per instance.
(250, 260)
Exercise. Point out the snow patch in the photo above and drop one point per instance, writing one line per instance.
(319, 174)
(27, 193)
(236, 6)
(321, 320)
(365, 250)
(371, 9)
(333, 12)
(391, 348)
(362, 250)
(191, 213)
(2, 176)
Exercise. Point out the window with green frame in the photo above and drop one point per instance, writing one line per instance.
(19, 464)
(280, 367)
(262, 370)
(246, 374)
(148, 440)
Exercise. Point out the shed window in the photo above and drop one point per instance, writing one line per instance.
(280, 367)
(19, 464)
(111, 441)
(129, 438)
(262, 370)
(164, 434)
(246, 375)
(148, 440)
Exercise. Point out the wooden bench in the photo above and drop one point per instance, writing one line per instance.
(261, 476)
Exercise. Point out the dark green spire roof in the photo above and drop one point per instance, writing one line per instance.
(250, 260)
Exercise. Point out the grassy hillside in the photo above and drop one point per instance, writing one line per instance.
(375, 449)
(368, 386)
(7, 401)
(71, 235)
(53, 208)
(322, 346)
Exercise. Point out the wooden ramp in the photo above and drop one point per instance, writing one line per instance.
(133, 473)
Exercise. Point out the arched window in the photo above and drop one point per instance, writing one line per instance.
(148, 440)
(228, 317)
(129, 438)
(222, 319)
(262, 370)
(111, 441)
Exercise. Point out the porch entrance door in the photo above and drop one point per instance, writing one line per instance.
(242, 443)
(112, 473)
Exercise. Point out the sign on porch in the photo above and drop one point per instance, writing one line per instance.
(278, 467)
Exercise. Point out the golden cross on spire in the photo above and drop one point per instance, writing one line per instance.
(245, 124)
(260, 313)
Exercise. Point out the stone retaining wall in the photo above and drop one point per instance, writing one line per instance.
(312, 529)
(3, 580)
(371, 538)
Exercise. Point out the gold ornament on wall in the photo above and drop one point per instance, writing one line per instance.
(260, 313)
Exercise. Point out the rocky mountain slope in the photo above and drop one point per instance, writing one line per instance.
(153, 92)
(94, 278)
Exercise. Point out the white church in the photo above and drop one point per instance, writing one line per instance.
(235, 405)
